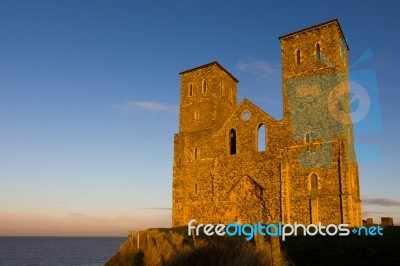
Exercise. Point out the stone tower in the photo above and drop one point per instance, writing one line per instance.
(234, 162)
(317, 51)
(315, 85)
(208, 95)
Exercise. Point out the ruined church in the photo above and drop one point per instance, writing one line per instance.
(233, 162)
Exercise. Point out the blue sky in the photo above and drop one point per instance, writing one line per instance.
(89, 96)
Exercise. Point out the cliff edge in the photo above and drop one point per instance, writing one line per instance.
(174, 247)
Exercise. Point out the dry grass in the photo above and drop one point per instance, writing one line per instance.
(163, 247)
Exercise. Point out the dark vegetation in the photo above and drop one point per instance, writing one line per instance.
(175, 247)
(347, 250)
(166, 246)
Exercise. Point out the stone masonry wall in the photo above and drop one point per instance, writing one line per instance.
(212, 185)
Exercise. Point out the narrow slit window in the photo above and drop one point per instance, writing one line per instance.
(195, 189)
(314, 181)
(318, 51)
(195, 153)
(204, 86)
(308, 138)
(261, 138)
(190, 90)
(232, 141)
(298, 57)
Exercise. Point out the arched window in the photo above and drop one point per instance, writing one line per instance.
(232, 141)
(190, 90)
(261, 138)
(314, 181)
(308, 138)
(298, 57)
(318, 51)
(204, 86)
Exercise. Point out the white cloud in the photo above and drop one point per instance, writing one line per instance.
(259, 69)
(370, 213)
(381, 202)
(269, 100)
(77, 214)
(134, 106)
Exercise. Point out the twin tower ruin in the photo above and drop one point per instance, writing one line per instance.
(235, 163)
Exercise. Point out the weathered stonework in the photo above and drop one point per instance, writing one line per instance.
(307, 173)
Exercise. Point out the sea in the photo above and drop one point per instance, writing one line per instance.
(57, 251)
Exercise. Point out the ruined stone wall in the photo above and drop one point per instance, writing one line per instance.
(314, 141)
(194, 146)
(219, 187)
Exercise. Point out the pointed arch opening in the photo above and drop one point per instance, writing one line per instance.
(261, 138)
(232, 142)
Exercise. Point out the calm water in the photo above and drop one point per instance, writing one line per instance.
(56, 251)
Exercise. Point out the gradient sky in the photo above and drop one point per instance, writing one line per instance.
(89, 97)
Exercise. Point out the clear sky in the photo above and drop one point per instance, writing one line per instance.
(89, 97)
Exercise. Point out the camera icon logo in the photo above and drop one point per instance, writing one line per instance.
(327, 106)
